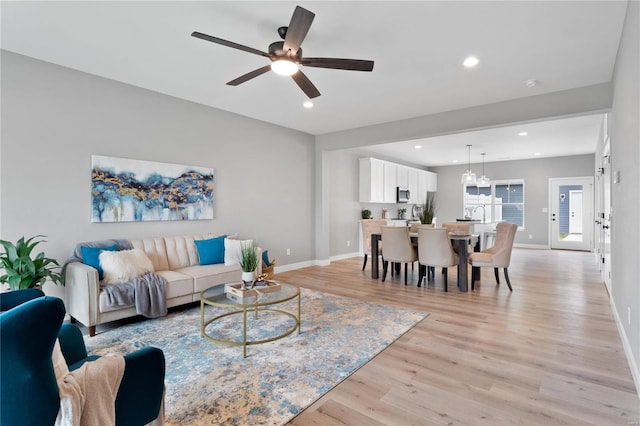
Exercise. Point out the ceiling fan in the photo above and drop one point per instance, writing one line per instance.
(286, 55)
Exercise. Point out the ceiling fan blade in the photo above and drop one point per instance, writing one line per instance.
(227, 43)
(248, 76)
(340, 64)
(305, 84)
(298, 29)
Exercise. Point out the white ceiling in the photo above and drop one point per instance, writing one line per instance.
(417, 47)
(556, 138)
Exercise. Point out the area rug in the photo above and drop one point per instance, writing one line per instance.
(212, 384)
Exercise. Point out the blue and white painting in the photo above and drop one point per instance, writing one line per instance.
(125, 190)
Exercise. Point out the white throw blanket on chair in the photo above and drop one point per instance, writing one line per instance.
(88, 394)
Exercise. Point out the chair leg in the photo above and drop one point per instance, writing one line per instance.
(420, 273)
(432, 269)
(385, 266)
(405, 273)
(506, 277)
(495, 271)
(446, 279)
(364, 265)
(473, 282)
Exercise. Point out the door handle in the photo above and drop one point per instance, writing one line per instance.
(605, 226)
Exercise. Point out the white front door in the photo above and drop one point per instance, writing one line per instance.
(575, 212)
(571, 216)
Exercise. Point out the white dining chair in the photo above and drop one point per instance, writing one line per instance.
(397, 248)
(498, 256)
(435, 250)
(370, 226)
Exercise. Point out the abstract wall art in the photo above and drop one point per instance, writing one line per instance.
(125, 190)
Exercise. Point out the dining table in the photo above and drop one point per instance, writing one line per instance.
(458, 240)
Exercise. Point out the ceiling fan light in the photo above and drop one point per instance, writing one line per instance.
(284, 67)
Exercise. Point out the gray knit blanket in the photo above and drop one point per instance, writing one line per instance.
(148, 292)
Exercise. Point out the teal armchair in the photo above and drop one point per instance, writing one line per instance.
(30, 323)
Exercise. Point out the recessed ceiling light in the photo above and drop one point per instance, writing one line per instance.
(537, 154)
(308, 104)
(471, 62)
(523, 134)
(531, 83)
(455, 161)
(418, 146)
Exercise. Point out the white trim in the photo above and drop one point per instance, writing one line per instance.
(345, 256)
(294, 266)
(532, 246)
(635, 372)
(317, 262)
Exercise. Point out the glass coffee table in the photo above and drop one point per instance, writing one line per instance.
(260, 303)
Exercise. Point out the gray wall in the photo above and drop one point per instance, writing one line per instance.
(624, 131)
(536, 174)
(55, 118)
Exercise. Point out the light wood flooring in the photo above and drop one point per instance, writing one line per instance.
(548, 353)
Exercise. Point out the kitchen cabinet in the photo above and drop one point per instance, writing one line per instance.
(379, 180)
(390, 182)
(371, 180)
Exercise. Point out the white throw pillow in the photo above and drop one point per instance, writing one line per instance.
(124, 265)
(232, 250)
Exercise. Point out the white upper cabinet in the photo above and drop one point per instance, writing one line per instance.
(414, 184)
(403, 176)
(390, 182)
(379, 180)
(371, 180)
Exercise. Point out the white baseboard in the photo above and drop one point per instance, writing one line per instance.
(346, 256)
(294, 266)
(317, 262)
(532, 246)
(635, 372)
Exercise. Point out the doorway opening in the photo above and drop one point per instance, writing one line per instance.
(571, 213)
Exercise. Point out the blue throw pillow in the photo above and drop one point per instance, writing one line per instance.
(211, 251)
(265, 258)
(91, 256)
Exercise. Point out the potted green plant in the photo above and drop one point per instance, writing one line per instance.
(21, 270)
(366, 214)
(402, 213)
(248, 262)
(428, 209)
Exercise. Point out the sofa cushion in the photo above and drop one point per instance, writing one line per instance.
(212, 250)
(125, 265)
(178, 284)
(265, 258)
(206, 276)
(232, 249)
(90, 256)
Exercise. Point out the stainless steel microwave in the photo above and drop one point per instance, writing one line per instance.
(403, 195)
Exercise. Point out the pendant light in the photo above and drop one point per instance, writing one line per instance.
(469, 178)
(484, 181)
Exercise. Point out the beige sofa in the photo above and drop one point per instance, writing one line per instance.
(174, 258)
